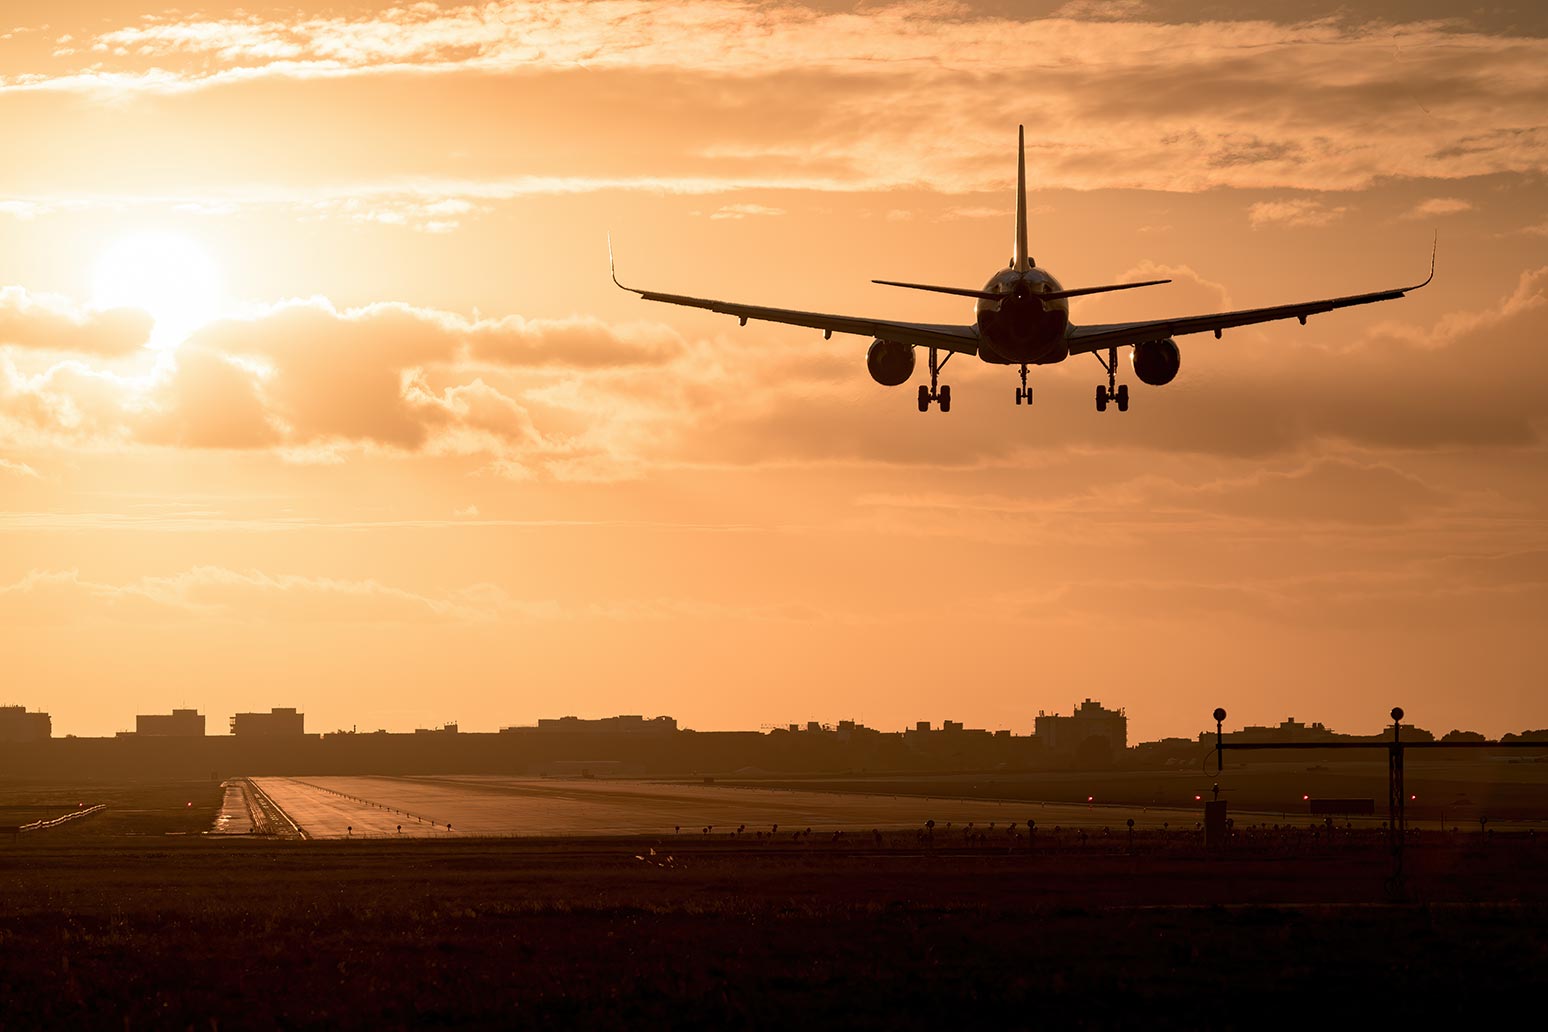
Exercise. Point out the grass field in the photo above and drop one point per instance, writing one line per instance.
(1506, 790)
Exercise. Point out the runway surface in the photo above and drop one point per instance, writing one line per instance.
(375, 807)
(234, 817)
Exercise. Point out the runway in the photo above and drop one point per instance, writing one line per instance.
(378, 807)
(234, 817)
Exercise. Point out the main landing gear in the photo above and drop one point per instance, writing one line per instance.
(1023, 392)
(937, 391)
(1120, 394)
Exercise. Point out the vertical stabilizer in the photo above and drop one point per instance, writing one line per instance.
(1021, 261)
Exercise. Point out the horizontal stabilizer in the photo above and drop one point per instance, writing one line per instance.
(989, 295)
(1054, 295)
(959, 291)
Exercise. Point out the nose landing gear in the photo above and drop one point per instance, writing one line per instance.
(1023, 392)
(1114, 391)
(937, 392)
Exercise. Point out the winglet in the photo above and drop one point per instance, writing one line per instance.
(1434, 247)
(612, 267)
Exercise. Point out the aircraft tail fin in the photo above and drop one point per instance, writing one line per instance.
(1021, 260)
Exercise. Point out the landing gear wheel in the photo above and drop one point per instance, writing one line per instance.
(1024, 392)
(1101, 398)
(924, 398)
(945, 398)
(1123, 397)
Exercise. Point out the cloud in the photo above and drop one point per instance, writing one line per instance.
(566, 398)
(1325, 490)
(1438, 206)
(1425, 388)
(742, 211)
(396, 208)
(20, 469)
(49, 323)
(790, 95)
(218, 593)
(221, 594)
(312, 382)
(23, 210)
(1295, 211)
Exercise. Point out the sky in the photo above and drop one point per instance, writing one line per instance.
(315, 390)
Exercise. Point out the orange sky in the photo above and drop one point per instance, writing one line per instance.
(314, 390)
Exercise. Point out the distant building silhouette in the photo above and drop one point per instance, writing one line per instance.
(626, 724)
(180, 723)
(278, 721)
(1292, 730)
(1068, 736)
(1289, 730)
(17, 725)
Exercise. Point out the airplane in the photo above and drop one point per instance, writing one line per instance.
(1022, 318)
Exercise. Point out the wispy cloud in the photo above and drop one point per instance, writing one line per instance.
(1294, 211)
(215, 592)
(20, 469)
(1436, 207)
(742, 211)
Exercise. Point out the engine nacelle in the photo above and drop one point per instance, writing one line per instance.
(890, 363)
(1156, 361)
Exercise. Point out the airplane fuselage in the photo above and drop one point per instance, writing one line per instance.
(1017, 328)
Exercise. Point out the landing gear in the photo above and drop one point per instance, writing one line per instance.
(1023, 392)
(1113, 391)
(936, 392)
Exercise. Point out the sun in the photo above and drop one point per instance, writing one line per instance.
(164, 274)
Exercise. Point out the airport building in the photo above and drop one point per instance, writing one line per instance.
(279, 721)
(17, 725)
(1061, 735)
(180, 723)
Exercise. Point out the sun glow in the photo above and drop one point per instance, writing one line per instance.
(166, 275)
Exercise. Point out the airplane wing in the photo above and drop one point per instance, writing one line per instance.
(1083, 339)
(963, 339)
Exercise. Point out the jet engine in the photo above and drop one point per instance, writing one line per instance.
(1156, 361)
(890, 363)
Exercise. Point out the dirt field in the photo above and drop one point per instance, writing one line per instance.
(117, 925)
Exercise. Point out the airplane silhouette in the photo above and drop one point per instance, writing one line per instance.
(1022, 317)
